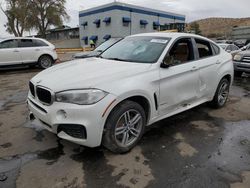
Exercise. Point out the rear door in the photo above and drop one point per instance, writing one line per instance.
(178, 82)
(28, 50)
(9, 53)
(208, 61)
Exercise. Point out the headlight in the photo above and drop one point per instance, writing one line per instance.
(237, 57)
(82, 97)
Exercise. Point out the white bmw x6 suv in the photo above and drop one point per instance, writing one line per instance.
(19, 51)
(140, 80)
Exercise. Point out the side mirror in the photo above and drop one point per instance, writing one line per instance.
(167, 62)
(164, 65)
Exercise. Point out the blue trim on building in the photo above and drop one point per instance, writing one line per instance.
(156, 23)
(143, 22)
(126, 19)
(94, 37)
(84, 23)
(97, 21)
(129, 9)
(107, 19)
(85, 38)
(106, 37)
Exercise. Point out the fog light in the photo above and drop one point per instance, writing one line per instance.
(61, 114)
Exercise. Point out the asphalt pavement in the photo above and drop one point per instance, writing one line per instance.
(199, 148)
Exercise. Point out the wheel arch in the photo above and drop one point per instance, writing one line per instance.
(228, 77)
(140, 99)
(45, 54)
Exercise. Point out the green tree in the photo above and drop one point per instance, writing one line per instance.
(17, 13)
(194, 26)
(46, 13)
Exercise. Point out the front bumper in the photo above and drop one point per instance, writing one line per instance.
(89, 116)
(241, 66)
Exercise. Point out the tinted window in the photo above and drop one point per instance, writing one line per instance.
(181, 52)
(39, 43)
(8, 44)
(216, 49)
(204, 48)
(235, 48)
(24, 43)
(229, 48)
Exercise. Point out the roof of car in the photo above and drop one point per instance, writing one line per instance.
(6, 38)
(171, 35)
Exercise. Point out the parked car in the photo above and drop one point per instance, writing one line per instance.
(247, 47)
(242, 63)
(242, 42)
(18, 51)
(104, 46)
(230, 48)
(138, 81)
(220, 41)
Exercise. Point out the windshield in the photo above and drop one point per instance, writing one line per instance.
(141, 49)
(223, 46)
(107, 44)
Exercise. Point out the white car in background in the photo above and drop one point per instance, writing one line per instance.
(138, 81)
(230, 48)
(18, 51)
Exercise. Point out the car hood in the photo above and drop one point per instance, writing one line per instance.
(82, 54)
(87, 73)
(246, 52)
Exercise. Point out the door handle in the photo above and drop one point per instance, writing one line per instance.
(218, 62)
(37, 49)
(194, 68)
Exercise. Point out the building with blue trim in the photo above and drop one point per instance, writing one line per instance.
(119, 20)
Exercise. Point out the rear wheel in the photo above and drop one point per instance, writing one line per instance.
(124, 127)
(221, 95)
(45, 62)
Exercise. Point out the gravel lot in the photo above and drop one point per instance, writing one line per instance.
(198, 148)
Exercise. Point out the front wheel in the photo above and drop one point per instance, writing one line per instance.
(221, 95)
(45, 62)
(124, 127)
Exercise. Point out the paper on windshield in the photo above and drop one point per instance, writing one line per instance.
(161, 41)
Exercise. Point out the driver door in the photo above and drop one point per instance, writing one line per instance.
(9, 53)
(179, 79)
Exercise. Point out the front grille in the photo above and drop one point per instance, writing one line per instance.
(74, 130)
(44, 95)
(32, 89)
(246, 59)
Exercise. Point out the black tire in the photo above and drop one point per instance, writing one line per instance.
(110, 139)
(45, 61)
(238, 73)
(217, 102)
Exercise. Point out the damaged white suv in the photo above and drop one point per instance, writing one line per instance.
(140, 80)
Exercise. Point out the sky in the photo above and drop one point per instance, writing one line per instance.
(193, 9)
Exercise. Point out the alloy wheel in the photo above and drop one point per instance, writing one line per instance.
(128, 128)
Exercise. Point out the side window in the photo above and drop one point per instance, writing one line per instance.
(181, 52)
(39, 43)
(229, 48)
(235, 48)
(25, 43)
(8, 44)
(204, 48)
(216, 49)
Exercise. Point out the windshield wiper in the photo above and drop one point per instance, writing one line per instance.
(116, 59)
(99, 56)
